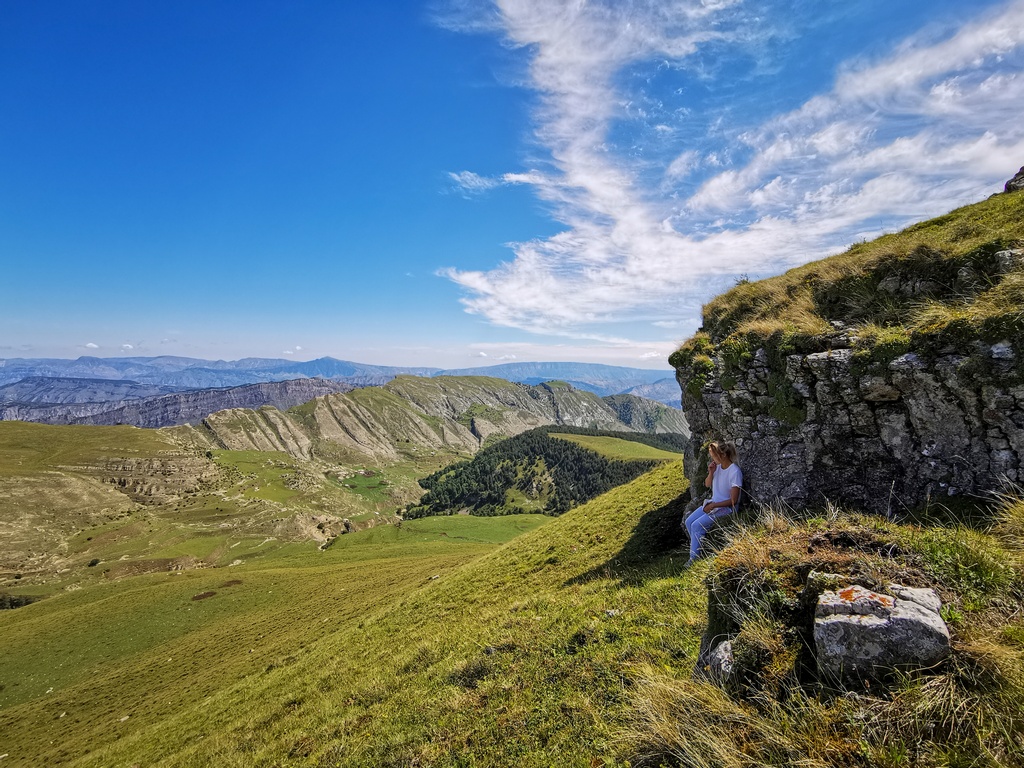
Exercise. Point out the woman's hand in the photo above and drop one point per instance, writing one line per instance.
(711, 474)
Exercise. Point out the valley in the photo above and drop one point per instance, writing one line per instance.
(82, 504)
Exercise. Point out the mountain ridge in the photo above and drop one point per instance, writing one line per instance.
(195, 373)
(456, 413)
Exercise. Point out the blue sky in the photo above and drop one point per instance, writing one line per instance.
(458, 183)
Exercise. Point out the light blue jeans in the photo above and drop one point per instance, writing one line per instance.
(699, 523)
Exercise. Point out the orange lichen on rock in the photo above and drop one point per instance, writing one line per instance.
(853, 593)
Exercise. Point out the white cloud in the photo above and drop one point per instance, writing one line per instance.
(684, 164)
(90, 345)
(287, 352)
(298, 348)
(630, 353)
(471, 183)
(931, 126)
(127, 347)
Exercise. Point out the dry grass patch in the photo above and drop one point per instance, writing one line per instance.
(775, 711)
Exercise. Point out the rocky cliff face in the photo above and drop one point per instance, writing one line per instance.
(646, 415)
(174, 409)
(884, 436)
(884, 378)
(54, 390)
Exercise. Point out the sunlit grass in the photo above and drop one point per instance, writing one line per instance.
(618, 448)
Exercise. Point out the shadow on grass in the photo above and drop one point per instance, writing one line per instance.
(967, 511)
(645, 554)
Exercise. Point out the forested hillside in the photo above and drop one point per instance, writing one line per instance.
(537, 471)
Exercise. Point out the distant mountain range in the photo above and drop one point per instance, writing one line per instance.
(444, 413)
(160, 410)
(164, 375)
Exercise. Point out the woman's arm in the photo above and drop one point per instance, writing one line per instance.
(711, 474)
(734, 499)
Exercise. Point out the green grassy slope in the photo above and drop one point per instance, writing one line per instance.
(136, 501)
(570, 645)
(357, 656)
(30, 447)
(617, 448)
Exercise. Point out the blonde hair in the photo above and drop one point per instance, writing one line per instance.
(723, 448)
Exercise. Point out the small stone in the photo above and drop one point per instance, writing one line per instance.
(720, 663)
(921, 596)
(1008, 260)
(891, 284)
(1002, 351)
(906, 363)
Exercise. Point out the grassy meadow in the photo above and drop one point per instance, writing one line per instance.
(395, 644)
(81, 505)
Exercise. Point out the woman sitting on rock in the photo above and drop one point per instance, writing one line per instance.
(725, 481)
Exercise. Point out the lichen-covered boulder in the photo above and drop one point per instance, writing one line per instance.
(860, 634)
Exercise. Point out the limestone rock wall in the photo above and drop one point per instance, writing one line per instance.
(884, 435)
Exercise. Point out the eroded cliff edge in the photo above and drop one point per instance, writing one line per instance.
(883, 377)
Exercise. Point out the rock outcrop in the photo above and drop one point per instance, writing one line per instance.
(776, 624)
(1016, 184)
(883, 378)
(860, 634)
(881, 435)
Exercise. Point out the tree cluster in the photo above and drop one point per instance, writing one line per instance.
(557, 474)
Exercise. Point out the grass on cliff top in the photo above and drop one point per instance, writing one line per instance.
(959, 289)
(27, 448)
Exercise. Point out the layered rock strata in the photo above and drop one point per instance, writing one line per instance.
(884, 436)
(446, 412)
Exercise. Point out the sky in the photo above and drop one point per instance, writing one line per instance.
(460, 183)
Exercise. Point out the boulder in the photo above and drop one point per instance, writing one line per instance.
(860, 634)
(1016, 183)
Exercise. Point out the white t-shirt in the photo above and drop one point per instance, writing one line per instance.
(722, 483)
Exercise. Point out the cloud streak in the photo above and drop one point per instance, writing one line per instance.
(932, 125)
